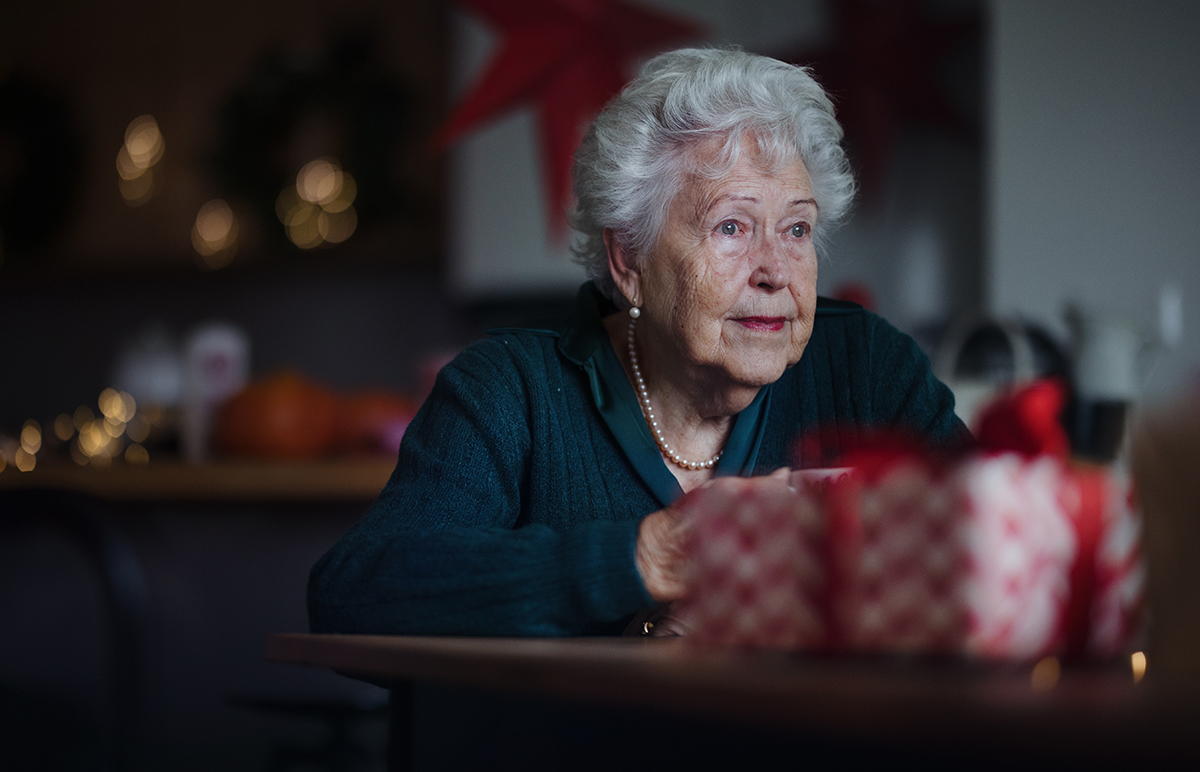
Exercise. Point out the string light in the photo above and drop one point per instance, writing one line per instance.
(318, 209)
(137, 455)
(31, 437)
(143, 149)
(64, 427)
(1137, 662)
(83, 416)
(24, 460)
(214, 236)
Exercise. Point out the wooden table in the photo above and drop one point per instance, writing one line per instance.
(169, 480)
(1090, 717)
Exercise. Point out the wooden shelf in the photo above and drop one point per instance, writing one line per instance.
(332, 480)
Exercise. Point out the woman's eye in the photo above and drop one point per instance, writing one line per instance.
(800, 230)
(729, 228)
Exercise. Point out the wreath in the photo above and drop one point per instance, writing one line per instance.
(259, 120)
(40, 159)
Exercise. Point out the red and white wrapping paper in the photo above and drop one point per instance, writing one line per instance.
(756, 576)
(997, 557)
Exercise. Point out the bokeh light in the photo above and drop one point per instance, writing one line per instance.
(31, 437)
(215, 233)
(137, 455)
(138, 428)
(1137, 662)
(83, 416)
(1045, 674)
(144, 141)
(143, 148)
(24, 460)
(319, 181)
(64, 427)
(93, 439)
(336, 227)
(318, 209)
(139, 190)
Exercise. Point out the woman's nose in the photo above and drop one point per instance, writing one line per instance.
(771, 271)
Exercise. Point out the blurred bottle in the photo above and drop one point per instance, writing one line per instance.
(1111, 356)
(150, 369)
(216, 365)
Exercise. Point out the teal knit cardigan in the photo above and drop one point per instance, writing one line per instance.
(513, 508)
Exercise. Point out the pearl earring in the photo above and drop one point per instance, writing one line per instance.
(634, 312)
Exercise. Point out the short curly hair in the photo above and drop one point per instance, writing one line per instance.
(641, 149)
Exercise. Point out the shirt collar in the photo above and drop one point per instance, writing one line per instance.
(584, 340)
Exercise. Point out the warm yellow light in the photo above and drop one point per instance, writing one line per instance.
(336, 227)
(31, 437)
(1137, 661)
(138, 428)
(114, 428)
(126, 168)
(83, 417)
(128, 406)
(343, 199)
(144, 142)
(24, 460)
(93, 439)
(304, 229)
(319, 181)
(299, 214)
(110, 403)
(287, 201)
(215, 233)
(3, 462)
(215, 223)
(137, 455)
(64, 428)
(1045, 674)
(77, 455)
(138, 190)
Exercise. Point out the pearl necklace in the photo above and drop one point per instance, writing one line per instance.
(648, 413)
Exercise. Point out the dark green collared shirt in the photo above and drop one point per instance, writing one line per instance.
(585, 341)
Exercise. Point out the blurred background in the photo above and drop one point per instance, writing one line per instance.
(199, 197)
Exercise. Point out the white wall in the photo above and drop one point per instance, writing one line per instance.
(1094, 190)
(498, 238)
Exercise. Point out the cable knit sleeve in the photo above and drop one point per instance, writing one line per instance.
(451, 546)
(905, 392)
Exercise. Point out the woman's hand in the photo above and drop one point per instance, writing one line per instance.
(663, 537)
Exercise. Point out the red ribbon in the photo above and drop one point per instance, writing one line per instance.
(1091, 487)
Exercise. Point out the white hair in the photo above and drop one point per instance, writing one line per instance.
(642, 148)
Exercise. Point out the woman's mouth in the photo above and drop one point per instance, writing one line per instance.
(765, 323)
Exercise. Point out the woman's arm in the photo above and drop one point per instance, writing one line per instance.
(444, 550)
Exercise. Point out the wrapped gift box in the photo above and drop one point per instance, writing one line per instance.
(756, 574)
(997, 556)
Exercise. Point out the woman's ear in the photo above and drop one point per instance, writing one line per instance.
(621, 265)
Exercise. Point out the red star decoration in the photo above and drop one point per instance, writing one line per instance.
(570, 57)
(882, 71)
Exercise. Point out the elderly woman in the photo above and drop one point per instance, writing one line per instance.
(537, 490)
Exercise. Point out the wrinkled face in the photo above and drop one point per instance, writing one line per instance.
(731, 286)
